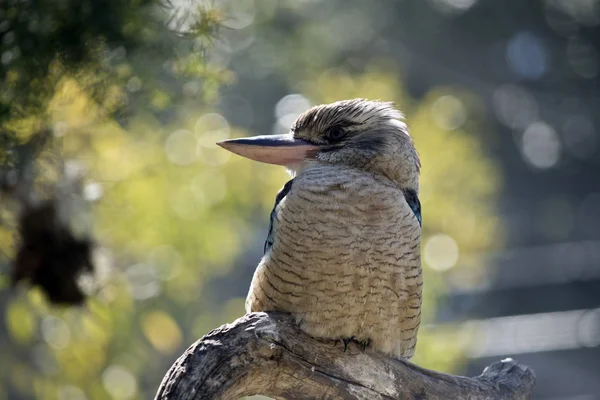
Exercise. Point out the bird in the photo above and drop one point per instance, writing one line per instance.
(342, 255)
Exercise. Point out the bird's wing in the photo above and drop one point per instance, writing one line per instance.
(413, 202)
(282, 193)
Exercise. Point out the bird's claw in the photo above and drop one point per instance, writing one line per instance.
(362, 343)
(346, 341)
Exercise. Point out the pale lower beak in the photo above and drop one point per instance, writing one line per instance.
(271, 149)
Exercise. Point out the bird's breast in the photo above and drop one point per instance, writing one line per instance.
(345, 255)
(336, 228)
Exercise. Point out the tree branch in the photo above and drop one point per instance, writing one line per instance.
(266, 353)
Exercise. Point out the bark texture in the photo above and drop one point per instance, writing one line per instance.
(266, 353)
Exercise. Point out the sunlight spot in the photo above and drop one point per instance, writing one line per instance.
(6, 57)
(180, 147)
(103, 261)
(69, 392)
(56, 332)
(527, 56)
(142, 282)
(210, 129)
(75, 169)
(92, 191)
(119, 382)
(134, 84)
(514, 106)
(191, 88)
(289, 108)
(540, 145)
(87, 283)
(166, 262)
(448, 112)
(441, 252)
(60, 128)
(162, 331)
(241, 15)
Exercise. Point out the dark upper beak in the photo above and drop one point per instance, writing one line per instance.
(272, 149)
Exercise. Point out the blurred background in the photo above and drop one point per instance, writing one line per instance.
(131, 234)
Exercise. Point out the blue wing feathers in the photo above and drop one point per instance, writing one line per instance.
(413, 202)
(282, 193)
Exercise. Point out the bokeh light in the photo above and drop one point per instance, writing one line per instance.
(449, 113)
(526, 56)
(514, 106)
(500, 99)
(119, 382)
(288, 109)
(56, 332)
(540, 145)
(180, 147)
(441, 252)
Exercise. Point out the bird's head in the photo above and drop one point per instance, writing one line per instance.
(358, 133)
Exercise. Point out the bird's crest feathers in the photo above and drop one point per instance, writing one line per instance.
(360, 112)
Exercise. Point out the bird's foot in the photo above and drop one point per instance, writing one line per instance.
(362, 343)
(347, 341)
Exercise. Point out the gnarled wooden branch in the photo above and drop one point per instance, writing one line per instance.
(266, 353)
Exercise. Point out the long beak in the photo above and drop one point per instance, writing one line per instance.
(271, 149)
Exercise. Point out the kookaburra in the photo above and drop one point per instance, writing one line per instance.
(343, 251)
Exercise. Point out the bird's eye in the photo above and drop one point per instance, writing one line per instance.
(335, 134)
